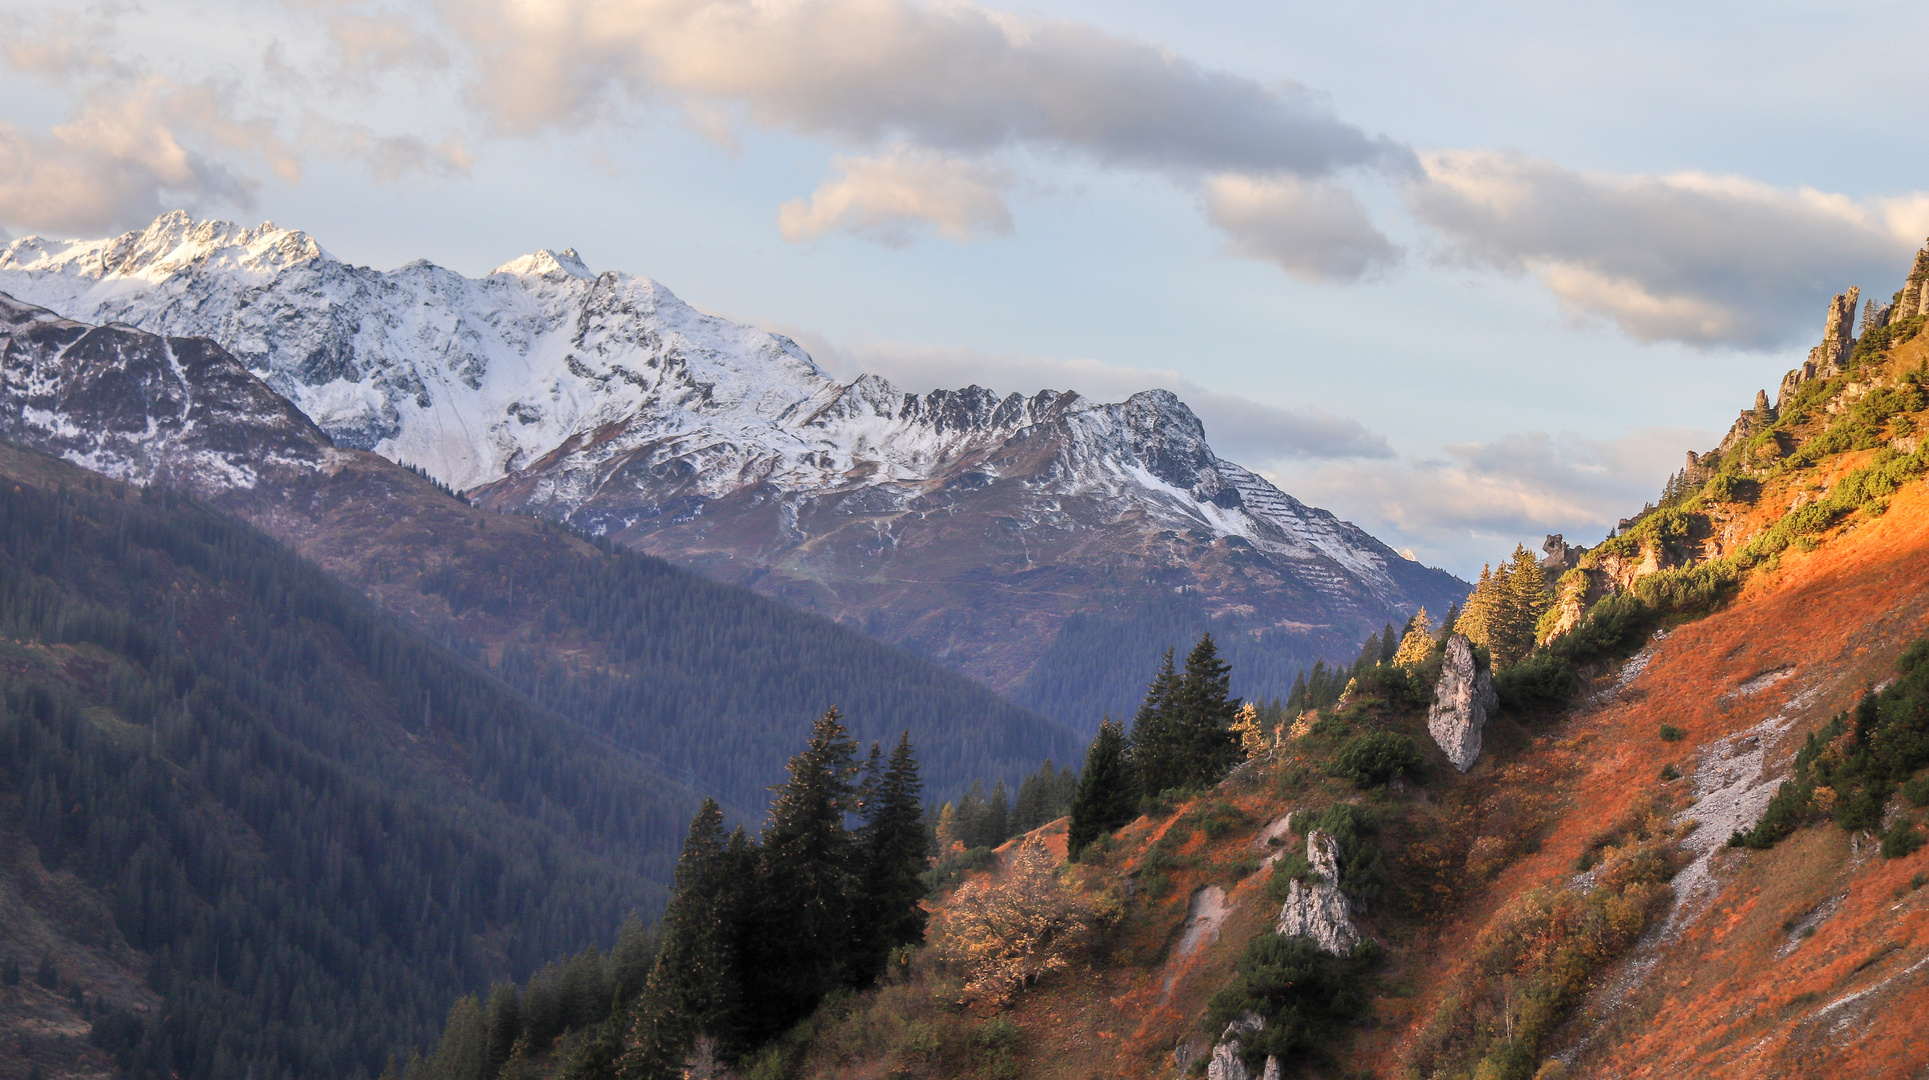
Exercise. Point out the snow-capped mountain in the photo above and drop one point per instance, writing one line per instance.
(143, 408)
(604, 400)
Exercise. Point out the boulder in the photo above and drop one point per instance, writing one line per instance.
(1317, 909)
(1226, 1063)
(1462, 700)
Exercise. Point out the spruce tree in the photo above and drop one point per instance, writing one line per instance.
(996, 828)
(1528, 598)
(799, 945)
(695, 985)
(891, 842)
(1158, 747)
(1107, 795)
(1205, 711)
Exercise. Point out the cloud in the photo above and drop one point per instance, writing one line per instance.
(886, 197)
(1699, 259)
(1314, 230)
(382, 41)
(946, 76)
(126, 155)
(1474, 501)
(1254, 434)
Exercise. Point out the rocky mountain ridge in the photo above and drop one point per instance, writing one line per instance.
(962, 524)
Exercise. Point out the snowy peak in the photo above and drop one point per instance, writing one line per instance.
(172, 245)
(544, 263)
(606, 401)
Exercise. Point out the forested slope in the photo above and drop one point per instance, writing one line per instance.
(312, 826)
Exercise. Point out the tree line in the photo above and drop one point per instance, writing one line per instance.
(1182, 737)
(758, 930)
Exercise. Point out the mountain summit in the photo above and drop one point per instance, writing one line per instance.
(1016, 539)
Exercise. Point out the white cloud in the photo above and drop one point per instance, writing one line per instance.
(887, 197)
(949, 76)
(1704, 260)
(1471, 504)
(1251, 433)
(129, 153)
(1314, 230)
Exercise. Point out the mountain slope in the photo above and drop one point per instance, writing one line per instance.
(307, 828)
(965, 526)
(709, 681)
(1691, 842)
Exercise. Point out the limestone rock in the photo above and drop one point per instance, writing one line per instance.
(1317, 909)
(1559, 554)
(1462, 700)
(1226, 1063)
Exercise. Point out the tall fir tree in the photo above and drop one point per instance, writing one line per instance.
(1158, 747)
(1108, 794)
(799, 945)
(1528, 600)
(1205, 711)
(891, 845)
(695, 986)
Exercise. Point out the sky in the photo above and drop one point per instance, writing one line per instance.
(1463, 274)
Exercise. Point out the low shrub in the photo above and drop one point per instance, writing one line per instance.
(1308, 1000)
(1543, 683)
(1849, 768)
(1375, 757)
(1917, 792)
(1670, 733)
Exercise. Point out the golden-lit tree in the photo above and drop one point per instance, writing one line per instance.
(1252, 737)
(1004, 932)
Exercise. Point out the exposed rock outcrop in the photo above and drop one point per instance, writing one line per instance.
(1913, 299)
(1559, 554)
(1317, 909)
(1462, 700)
(1832, 355)
(1226, 1063)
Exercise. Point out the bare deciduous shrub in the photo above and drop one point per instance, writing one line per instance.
(1002, 933)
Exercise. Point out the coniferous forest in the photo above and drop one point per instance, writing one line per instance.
(318, 827)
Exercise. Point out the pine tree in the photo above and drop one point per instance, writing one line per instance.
(1205, 710)
(503, 1023)
(799, 944)
(1108, 794)
(891, 843)
(1158, 747)
(695, 985)
(1417, 645)
(996, 827)
(1528, 599)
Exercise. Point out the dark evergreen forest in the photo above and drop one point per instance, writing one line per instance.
(716, 682)
(320, 827)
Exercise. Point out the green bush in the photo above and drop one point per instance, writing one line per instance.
(1309, 1001)
(1543, 683)
(1860, 757)
(1903, 839)
(1356, 829)
(1375, 757)
(1729, 488)
(1669, 773)
(1670, 733)
(1917, 792)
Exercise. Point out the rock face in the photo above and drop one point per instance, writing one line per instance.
(1913, 299)
(1462, 700)
(174, 411)
(1317, 909)
(1226, 1064)
(962, 524)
